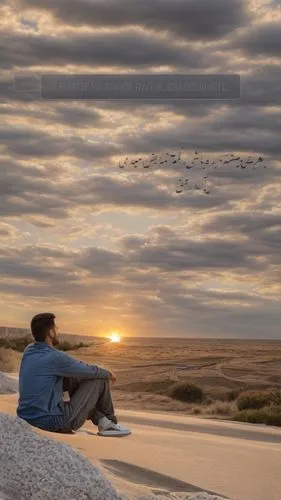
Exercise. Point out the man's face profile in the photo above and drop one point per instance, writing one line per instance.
(55, 333)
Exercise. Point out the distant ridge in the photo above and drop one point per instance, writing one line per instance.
(10, 332)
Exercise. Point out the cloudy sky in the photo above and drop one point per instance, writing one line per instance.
(107, 249)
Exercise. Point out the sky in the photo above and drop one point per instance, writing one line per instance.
(117, 250)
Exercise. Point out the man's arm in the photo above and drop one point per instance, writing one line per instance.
(66, 366)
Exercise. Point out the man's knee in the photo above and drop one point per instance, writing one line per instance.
(98, 382)
(70, 384)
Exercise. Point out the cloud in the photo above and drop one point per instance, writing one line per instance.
(8, 231)
(191, 19)
(161, 248)
(29, 142)
(244, 223)
(187, 255)
(114, 49)
(263, 229)
(49, 191)
(101, 262)
(160, 283)
(159, 277)
(252, 119)
(110, 248)
(26, 264)
(261, 39)
(203, 137)
(77, 117)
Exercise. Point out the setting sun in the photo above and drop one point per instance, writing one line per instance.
(114, 337)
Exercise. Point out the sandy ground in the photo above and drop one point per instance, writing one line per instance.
(175, 453)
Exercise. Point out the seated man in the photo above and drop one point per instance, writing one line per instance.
(46, 372)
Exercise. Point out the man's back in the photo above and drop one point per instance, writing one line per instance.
(42, 370)
(45, 371)
(40, 388)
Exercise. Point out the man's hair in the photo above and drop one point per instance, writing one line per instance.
(41, 324)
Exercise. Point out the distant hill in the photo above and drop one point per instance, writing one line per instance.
(13, 332)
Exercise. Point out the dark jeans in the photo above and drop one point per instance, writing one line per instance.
(89, 400)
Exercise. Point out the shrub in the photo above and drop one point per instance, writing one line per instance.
(276, 397)
(253, 400)
(232, 395)
(64, 346)
(17, 344)
(251, 416)
(269, 415)
(67, 346)
(220, 408)
(185, 391)
(20, 343)
(196, 410)
(274, 418)
(209, 401)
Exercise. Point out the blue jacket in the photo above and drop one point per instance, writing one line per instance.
(41, 376)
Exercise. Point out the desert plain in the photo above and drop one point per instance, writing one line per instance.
(178, 447)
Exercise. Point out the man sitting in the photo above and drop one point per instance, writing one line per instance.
(46, 372)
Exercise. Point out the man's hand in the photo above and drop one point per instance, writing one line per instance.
(112, 377)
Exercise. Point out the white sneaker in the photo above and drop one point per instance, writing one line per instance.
(108, 428)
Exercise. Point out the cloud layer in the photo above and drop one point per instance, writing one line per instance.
(119, 250)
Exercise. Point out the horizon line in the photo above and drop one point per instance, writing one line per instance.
(159, 337)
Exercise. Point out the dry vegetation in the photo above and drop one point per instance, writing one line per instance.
(148, 371)
(213, 378)
(9, 360)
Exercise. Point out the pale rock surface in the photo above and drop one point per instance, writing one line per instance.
(8, 385)
(34, 467)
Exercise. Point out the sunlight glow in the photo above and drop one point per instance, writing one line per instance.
(114, 337)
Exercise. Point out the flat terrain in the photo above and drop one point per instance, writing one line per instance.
(146, 367)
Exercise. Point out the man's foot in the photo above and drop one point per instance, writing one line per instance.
(108, 428)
